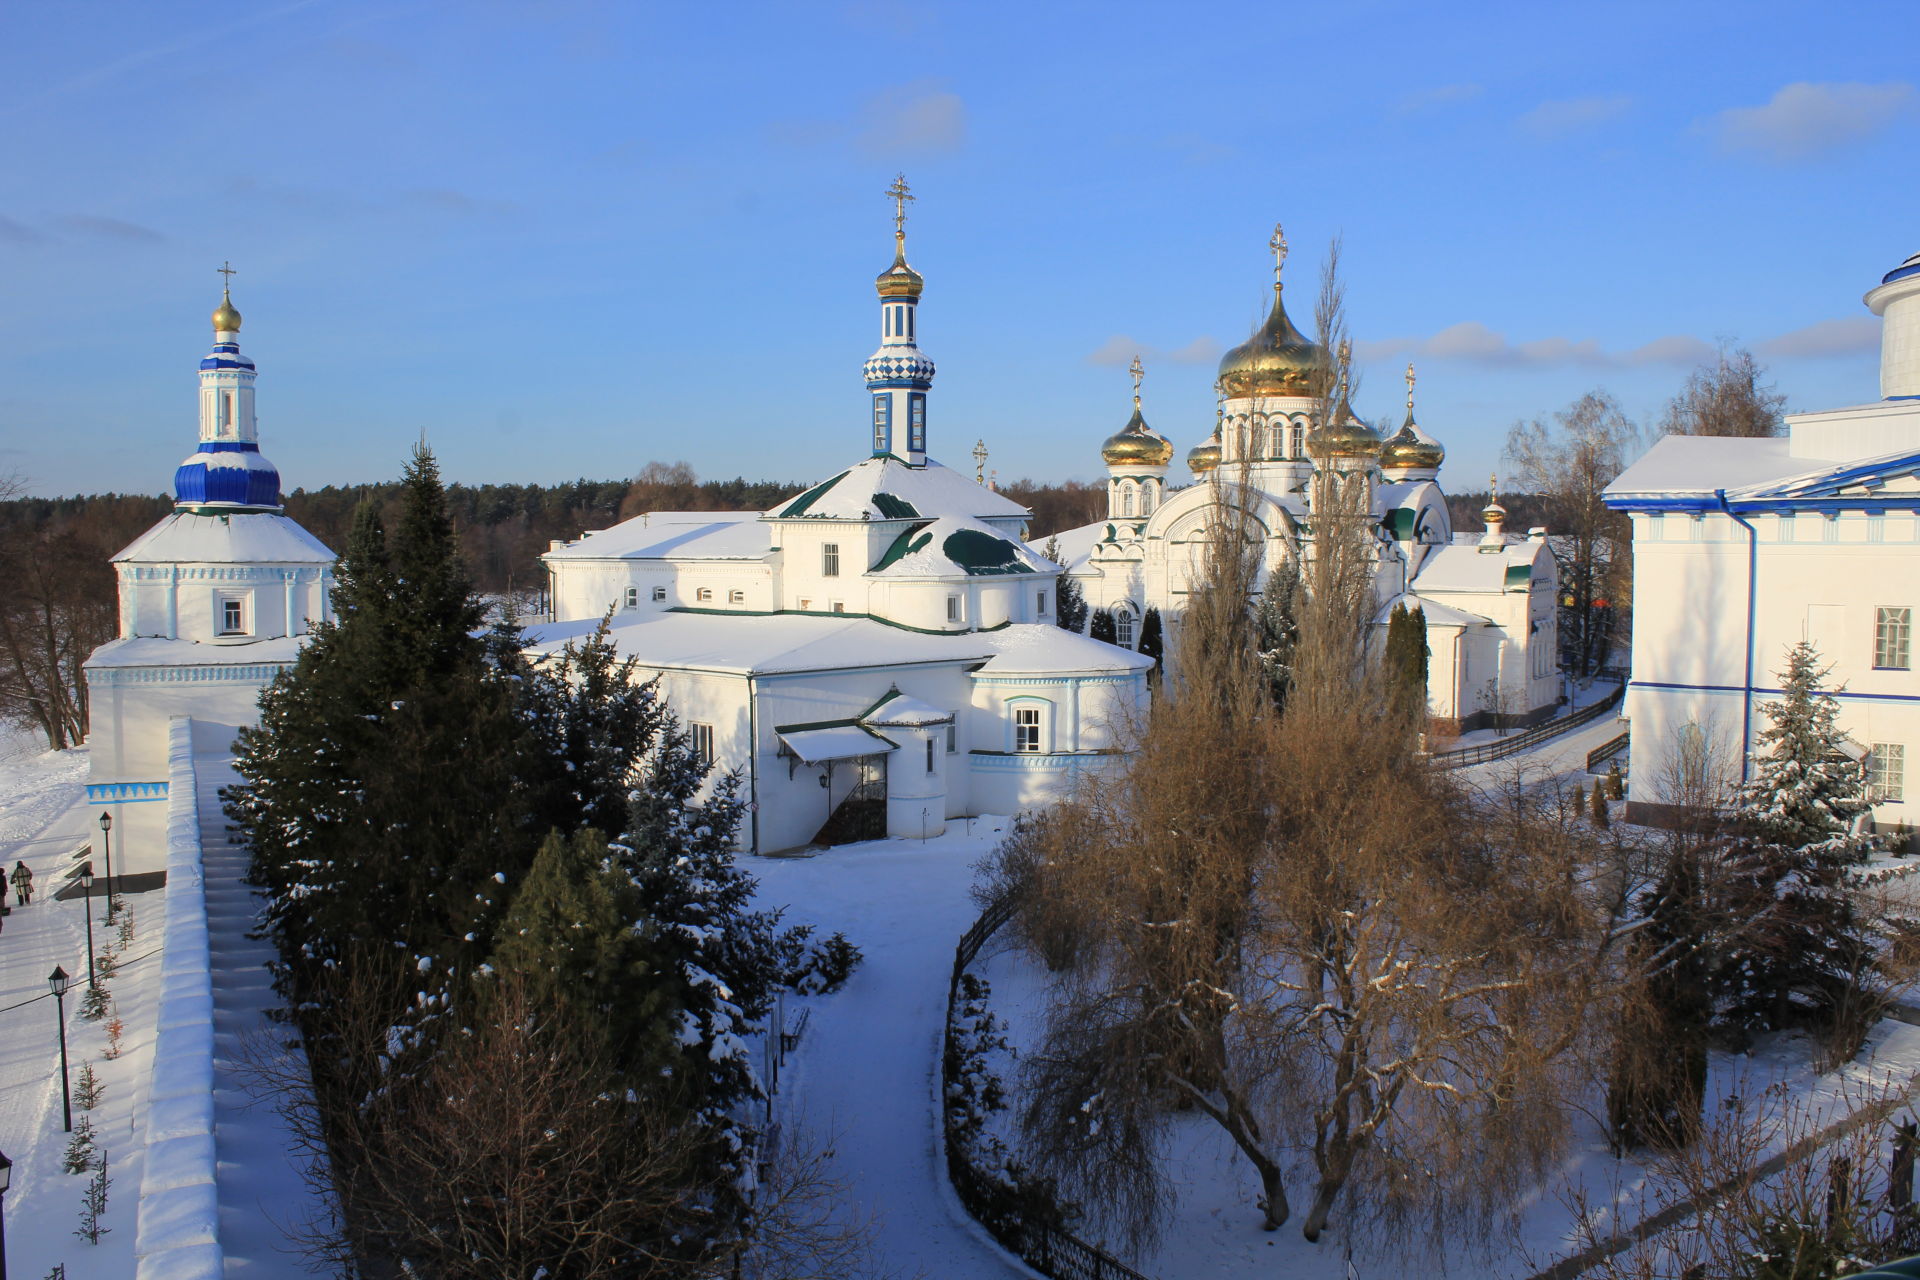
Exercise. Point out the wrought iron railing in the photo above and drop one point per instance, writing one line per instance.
(1607, 751)
(1500, 748)
(994, 1205)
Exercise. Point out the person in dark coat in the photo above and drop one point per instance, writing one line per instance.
(22, 883)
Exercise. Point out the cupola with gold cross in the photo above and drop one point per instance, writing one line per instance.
(1278, 360)
(899, 375)
(1411, 454)
(228, 471)
(1136, 458)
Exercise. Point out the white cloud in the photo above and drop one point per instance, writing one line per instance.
(1569, 115)
(1445, 95)
(1805, 120)
(1854, 335)
(1475, 343)
(914, 119)
(1119, 351)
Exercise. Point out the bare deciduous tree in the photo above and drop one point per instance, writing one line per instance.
(1725, 398)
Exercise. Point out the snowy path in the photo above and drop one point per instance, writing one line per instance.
(260, 1187)
(865, 1077)
(43, 819)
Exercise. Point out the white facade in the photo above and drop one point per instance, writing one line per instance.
(1492, 629)
(214, 602)
(881, 639)
(1744, 548)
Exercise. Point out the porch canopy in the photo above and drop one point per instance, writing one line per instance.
(836, 742)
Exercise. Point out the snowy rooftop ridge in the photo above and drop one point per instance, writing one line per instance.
(885, 488)
(241, 537)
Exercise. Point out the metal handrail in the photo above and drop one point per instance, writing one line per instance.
(1503, 747)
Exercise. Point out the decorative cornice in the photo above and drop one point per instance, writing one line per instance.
(251, 673)
(125, 792)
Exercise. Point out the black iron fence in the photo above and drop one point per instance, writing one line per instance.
(1500, 748)
(1008, 1217)
(1607, 751)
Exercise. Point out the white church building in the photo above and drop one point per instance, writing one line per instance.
(875, 655)
(1743, 548)
(1488, 597)
(214, 601)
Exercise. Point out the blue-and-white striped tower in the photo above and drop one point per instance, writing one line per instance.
(228, 471)
(899, 375)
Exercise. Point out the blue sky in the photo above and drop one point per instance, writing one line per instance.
(565, 239)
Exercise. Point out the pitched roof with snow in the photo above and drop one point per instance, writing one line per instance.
(952, 546)
(241, 537)
(1696, 466)
(155, 651)
(885, 488)
(673, 535)
(1467, 566)
(906, 711)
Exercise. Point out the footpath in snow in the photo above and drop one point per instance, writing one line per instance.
(865, 1077)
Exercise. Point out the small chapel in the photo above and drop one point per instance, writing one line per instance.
(1488, 597)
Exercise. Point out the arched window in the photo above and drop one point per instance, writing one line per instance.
(1259, 441)
(1297, 440)
(633, 597)
(1123, 629)
(1126, 497)
(1032, 724)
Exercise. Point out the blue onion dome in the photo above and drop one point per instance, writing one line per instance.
(228, 474)
(1137, 443)
(1911, 267)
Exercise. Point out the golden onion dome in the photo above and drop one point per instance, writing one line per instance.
(1411, 447)
(899, 280)
(1137, 443)
(225, 318)
(1278, 360)
(1204, 457)
(1345, 437)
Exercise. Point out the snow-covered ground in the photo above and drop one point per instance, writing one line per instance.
(43, 820)
(866, 1075)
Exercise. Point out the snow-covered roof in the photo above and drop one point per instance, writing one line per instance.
(1075, 545)
(1695, 466)
(1467, 566)
(835, 742)
(886, 488)
(776, 643)
(154, 651)
(906, 710)
(953, 546)
(1437, 614)
(242, 537)
(673, 535)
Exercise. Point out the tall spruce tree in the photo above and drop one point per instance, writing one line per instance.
(1101, 626)
(1153, 638)
(1658, 1080)
(1070, 605)
(1799, 831)
(1406, 660)
(1277, 628)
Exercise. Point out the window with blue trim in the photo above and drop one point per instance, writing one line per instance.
(917, 423)
(882, 423)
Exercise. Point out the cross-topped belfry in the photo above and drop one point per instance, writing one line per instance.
(898, 375)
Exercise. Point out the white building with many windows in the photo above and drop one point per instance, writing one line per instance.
(1743, 548)
(876, 654)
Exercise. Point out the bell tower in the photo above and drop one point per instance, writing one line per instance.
(899, 375)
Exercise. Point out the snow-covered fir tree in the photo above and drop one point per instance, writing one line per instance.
(1800, 829)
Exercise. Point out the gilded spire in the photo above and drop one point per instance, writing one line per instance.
(900, 280)
(226, 319)
(1409, 390)
(1279, 246)
(900, 195)
(1138, 371)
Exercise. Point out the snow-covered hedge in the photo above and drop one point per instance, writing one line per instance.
(178, 1231)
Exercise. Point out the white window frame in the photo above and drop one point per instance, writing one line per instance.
(736, 596)
(659, 593)
(1892, 638)
(953, 738)
(1040, 609)
(1030, 721)
(701, 738)
(1125, 628)
(953, 609)
(633, 598)
(929, 755)
(829, 559)
(241, 603)
(1887, 773)
(702, 594)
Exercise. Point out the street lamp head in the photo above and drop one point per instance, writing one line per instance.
(86, 874)
(106, 821)
(6, 1173)
(57, 981)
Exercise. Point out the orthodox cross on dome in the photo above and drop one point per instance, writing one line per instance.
(900, 195)
(1279, 246)
(226, 269)
(1409, 386)
(1138, 371)
(979, 461)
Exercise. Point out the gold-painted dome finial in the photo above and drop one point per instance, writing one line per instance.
(1137, 444)
(1411, 449)
(1278, 360)
(1279, 246)
(226, 319)
(1409, 386)
(899, 280)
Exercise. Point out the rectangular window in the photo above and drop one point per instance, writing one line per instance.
(916, 423)
(953, 608)
(633, 596)
(929, 755)
(736, 597)
(702, 742)
(703, 593)
(659, 593)
(1892, 638)
(953, 738)
(233, 616)
(882, 423)
(1026, 729)
(838, 606)
(226, 418)
(1887, 773)
(1042, 601)
(805, 604)
(830, 560)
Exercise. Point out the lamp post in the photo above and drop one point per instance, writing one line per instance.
(86, 882)
(106, 845)
(6, 1177)
(57, 981)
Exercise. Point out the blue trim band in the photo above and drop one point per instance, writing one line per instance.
(229, 446)
(125, 792)
(1900, 273)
